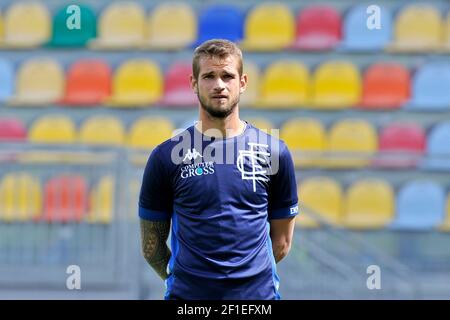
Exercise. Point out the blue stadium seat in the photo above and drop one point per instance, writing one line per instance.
(438, 148)
(420, 206)
(430, 88)
(358, 37)
(220, 21)
(6, 80)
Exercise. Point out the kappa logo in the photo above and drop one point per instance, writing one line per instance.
(192, 154)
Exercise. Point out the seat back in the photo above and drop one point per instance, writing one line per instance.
(336, 85)
(172, 25)
(386, 85)
(318, 27)
(285, 84)
(269, 26)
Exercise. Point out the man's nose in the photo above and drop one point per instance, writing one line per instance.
(219, 85)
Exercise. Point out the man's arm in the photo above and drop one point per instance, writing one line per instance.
(154, 235)
(281, 233)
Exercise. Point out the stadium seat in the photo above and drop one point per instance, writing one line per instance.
(220, 21)
(268, 27)
(102, 130)
(336, 85)
(305, 139)
(358, 37)
(438, 148)
(350, 144)
(418, 28)
(136, 83)
(251, 94)
(400, 145)
(148, 132)
(177, 87)
(20, 197)
(6, 80)
(101, 204)
(65, 199)
(285, 84)
(27, 24)
(369, 204)
(385, 86)
(121, 25)
(62, 36)
(171, 26)
(318, 27)
(88, 83)
(445, 226)
(429, 88)
(52, 129)
(420, 206)
(324, 197)
(12, 130)
(39, 81)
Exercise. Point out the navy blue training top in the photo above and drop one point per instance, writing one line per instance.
(220, 195)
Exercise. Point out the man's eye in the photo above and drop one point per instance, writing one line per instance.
(208, 76)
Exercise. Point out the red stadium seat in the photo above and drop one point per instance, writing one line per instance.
(385, 86)
(400, 145)
(177, 90)
(318, 28)
(12, 130)
(66, 199)
(88, 83)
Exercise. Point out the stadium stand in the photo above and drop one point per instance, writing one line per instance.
(363, 112)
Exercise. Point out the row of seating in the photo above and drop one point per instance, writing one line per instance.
(334, 84)
(368, 203)
(346, 143)
(266, 26)
(64, 198)
(372, 203)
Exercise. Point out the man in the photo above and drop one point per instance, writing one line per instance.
(228, 189)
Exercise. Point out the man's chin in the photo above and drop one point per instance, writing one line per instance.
(220, 113)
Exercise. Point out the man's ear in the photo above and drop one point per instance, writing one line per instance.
(243, 83)
(193, 84)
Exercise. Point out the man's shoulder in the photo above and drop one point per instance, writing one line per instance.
(165, 148)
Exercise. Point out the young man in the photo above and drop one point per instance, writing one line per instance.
(228, 188)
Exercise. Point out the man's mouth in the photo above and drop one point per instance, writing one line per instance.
(219, 96)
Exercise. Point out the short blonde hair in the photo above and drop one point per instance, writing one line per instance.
(220, 48)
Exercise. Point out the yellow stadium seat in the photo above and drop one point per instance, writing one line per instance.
(418, 28)
(20, 198)
(323, 196)
(369, 204)
(121, 26)
(305, 139)
(26, 25)
(445, 226)
(52, 129)
(136, 83)
(102, 202)
(102, 130)
(171, 26)
(39, 82)
(148, 132)
(261, 123)
(336, 85)
(269, 27)
(251, 94)
(350, 144)
(285, 84)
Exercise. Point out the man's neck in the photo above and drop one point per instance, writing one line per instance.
(228, 127)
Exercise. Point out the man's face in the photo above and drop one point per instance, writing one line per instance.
(219, 86)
